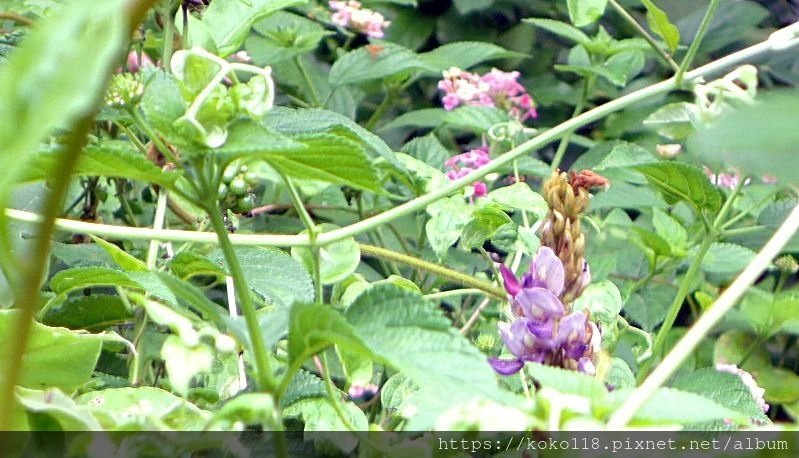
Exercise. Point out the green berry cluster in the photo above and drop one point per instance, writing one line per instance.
(235, 191)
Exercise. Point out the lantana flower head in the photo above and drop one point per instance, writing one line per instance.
(543, 330)
(494, 89)
(351, 14)
(462, 164)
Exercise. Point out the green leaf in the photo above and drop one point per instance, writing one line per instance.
(624, 154)
(338, 259)
(321, 419)
(585, 12)
(88, 277)
(144, 408)
(652, 241)
(314, 327)
(659, 23)
(315, 121)
(95, 312)
(561, 29)
(425, 118)
(360, 65)
(121, 257)
(464, 54)
(676, 121)
(58, 407)
(282, 36)
(411, 335)
(304, 385)
(328, 157)
(677, 181)
(476, 118)
(247, 138)
(108, 159)
(603, 300)
(427, 149)
(187, 264)
(735, 346)
(273, 274)
(724, 388)
(447, 219)
(248, 409)
(670, 229)
(229, 22)
(55, 357)
(520, 196)
(482, 226)
(566, 381)
(769, 146)
(669, 406)
(727, 258)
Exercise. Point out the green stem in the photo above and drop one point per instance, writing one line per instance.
(687, 345)
(169, 34)
(646, 36)
(674, 309)
(700, 35)
(440, 271)
(264, 377)
(33, 269)
(313, 232)
(453, 293)
(307, 78)
(381, 109)
(332, 393)
(18, 18)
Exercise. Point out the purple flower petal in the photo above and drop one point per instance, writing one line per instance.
(506, 366)
(509, 280)
(539, 304)
(548, 271)
(514, 336)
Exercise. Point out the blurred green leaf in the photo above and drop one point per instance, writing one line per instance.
(758, 139)
(586, 12)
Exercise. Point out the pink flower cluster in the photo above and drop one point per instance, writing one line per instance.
(727, 180)
(461, 165)
(350, 14)
(494, 89)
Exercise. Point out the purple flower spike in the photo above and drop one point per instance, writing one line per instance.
(509, 280)
(506, 366)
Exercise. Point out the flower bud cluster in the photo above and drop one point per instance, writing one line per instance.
(462, 164)
(494, 89)
(352, 15)
(125, 89)
(567, 197)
